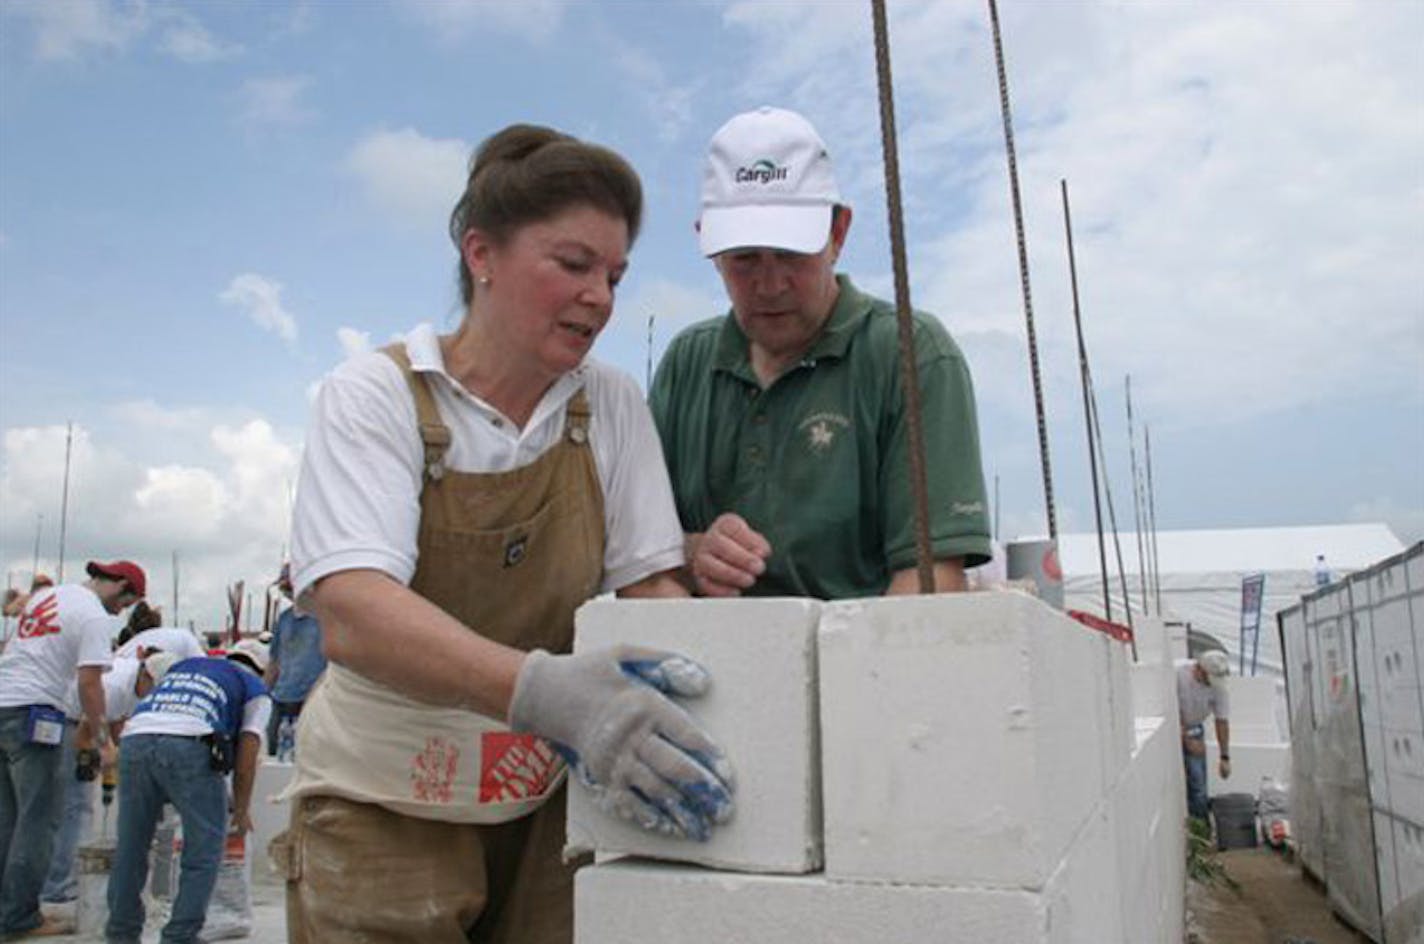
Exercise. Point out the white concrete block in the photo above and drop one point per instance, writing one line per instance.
(270, 815)
(1147, 810)
(965, 737)
(762, 709)
(631, 902)
(1082, 906)
(1154, 690)
(1250, 763)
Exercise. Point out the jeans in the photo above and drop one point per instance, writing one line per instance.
(155, 769)
(1196, 779)
(75, 815)
(27, 811)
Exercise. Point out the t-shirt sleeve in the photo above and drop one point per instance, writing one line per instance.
(959, 521)
(1221, 703)
(358, 495)
(643, 536)
(94, 635)
(256, 713)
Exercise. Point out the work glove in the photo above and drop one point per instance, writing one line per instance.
(640, 754)
(1223, 767)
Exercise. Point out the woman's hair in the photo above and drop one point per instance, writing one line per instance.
(527, 174)
(141, 617)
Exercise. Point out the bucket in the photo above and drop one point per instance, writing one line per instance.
(96, 861)
(1037, 561)
(1235, 815)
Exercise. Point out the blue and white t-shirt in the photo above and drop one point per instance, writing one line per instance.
(199, 696)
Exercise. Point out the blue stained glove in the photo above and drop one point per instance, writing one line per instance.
(643, 757)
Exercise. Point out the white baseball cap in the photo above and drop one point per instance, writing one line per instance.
(1216, 665)
(768, 182)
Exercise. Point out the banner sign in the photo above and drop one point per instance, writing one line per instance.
(1253, 587)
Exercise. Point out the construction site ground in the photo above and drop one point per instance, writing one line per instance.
(1276, 904)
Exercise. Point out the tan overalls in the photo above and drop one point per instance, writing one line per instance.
(511, 555)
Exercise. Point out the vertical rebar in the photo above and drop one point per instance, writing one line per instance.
(1112, 512)
(1152, 522)
(909, 369)
(1023, 273)
(1087, 417)
(1136, 497)
(64, 503)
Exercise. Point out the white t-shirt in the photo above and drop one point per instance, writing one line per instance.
(181, 642)
(61, 629)
(359, 494)
(119, 695)
(1196, 701)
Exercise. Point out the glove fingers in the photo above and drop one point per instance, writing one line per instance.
(677, 726)
(691, 783)
(670, 801)
(668, 672)
(628, 805)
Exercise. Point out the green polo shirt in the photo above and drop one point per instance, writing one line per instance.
(817, 461)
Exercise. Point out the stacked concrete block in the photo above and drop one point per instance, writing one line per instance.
(982, 774)
(966, 739)
(646, 903)
(1153, 676)
(270, 814)
(761, 708)
(1148, 808)
(1260, 746)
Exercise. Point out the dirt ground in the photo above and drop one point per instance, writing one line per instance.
(1276, 904)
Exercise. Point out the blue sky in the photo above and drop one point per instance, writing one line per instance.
(206, 206)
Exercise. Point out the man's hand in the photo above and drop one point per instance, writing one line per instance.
(1223, 767)
(645, 759)
(1195, 746)
(727, 558)
(241, 822)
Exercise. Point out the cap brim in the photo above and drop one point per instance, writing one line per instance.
(803, 229)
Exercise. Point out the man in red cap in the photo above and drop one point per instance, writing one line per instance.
(63, 634)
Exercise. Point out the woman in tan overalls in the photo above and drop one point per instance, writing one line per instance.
(460, 496)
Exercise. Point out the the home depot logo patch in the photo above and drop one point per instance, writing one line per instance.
(515, 766)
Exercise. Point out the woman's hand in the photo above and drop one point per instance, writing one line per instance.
(645, 759)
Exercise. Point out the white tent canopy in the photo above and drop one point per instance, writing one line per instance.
(1201, 573)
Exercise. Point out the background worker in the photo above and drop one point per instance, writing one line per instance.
(141, 618)
(126, 681)
(183, 643)
(296, 661)
(203, 720)
(1201, 692)
(783, 421)
(461, 495)
(63, 636)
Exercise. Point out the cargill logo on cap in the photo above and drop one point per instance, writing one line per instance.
(762, 172)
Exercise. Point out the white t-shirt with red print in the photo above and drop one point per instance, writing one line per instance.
(61, 629)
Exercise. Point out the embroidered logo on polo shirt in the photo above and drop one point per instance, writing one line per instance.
(822, 430)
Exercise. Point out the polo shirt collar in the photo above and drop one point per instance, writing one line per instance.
(851, 308)
(422, 346)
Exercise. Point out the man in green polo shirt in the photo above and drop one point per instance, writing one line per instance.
(783, 422)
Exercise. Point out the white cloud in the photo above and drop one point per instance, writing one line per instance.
(456, 20)
(261, 299)
(274, 100)
(414, 179)
(1246, 187)
(67, 29)
(225, 513)
(187, 40)
(352, 341)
